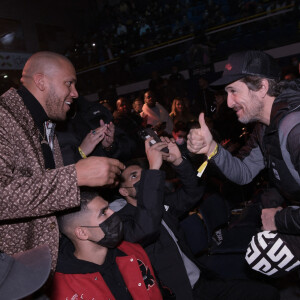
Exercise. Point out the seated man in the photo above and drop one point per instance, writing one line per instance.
(151, 218)
(93, 263)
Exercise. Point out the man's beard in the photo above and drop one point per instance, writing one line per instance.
(55, 107)
(253, 111)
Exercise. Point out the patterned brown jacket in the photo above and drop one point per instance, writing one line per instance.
(30, 195)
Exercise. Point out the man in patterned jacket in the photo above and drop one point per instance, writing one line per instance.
(34, 184)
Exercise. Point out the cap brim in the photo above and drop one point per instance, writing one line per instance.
(225, 80)
(29, 272)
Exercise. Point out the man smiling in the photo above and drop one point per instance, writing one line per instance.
(34, 184)
(251, 80)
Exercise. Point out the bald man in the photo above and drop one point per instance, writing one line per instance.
(33, 181)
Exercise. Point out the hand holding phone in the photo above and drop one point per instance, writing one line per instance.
(146, 133)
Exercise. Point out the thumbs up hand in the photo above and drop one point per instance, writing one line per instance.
(200, 140)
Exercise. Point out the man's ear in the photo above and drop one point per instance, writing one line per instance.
(264, 88)
(39, 80)
(123, 192)
(81, 233)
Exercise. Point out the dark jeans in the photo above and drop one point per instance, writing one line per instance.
(210, 289)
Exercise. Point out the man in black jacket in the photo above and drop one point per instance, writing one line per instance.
(151, 218)
(251, 80)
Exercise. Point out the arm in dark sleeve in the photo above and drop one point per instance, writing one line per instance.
(142, 223)
(188, 194)
(288, 220)
(293, 147)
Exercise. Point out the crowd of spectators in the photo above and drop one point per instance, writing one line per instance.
(92, 151)
(128, 26)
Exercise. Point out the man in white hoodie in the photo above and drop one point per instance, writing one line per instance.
(155, 112)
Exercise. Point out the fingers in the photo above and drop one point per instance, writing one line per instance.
(98, 132)
(194, 138)
(195, 146)
(110, 129)
(268, 218)
(158, 146)
(202, 121)
(98, 171)
(147, 143)
(150, 142)
(117, 164)
(167, 139)
(111, 126)
(102, 123)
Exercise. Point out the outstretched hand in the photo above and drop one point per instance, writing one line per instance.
(98, 171)
(200, 140)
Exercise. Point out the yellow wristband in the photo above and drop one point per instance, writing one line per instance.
(81, 153)
(204, 165)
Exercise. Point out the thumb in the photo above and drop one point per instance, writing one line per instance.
(101, 123)
(147, 143)
(202, 121)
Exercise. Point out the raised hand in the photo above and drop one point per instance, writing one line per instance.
(174, 157)
(154, 154)
(200, 140)
(92, 139)
(109, 133)
(98, 171)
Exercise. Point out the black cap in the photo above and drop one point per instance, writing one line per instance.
(242, 64)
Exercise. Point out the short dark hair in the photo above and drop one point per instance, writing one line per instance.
(254, 83)
(139, 161)
(65, 220)
(87, 194)
(152, 92)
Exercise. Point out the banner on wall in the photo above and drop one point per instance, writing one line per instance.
(13, 61)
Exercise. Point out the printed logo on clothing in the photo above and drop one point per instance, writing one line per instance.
(269, 254)
(147, 276)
